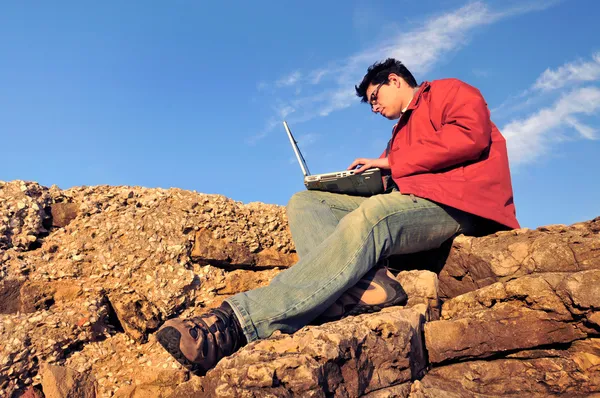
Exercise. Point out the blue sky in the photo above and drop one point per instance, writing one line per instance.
(191, 94)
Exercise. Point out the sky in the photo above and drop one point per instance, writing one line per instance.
(192, 94)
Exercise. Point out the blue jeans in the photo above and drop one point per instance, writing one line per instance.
(339, 238)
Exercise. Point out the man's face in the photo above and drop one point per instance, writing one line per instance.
(385, 98)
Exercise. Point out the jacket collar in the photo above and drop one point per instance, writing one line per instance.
(415, 100)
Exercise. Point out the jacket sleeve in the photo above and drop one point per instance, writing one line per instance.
(464, 134)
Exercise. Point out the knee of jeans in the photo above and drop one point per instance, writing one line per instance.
(369, 213)
(298, 201)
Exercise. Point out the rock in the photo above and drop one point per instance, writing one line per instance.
(397, 391)
(571, 372)
(226, 252)
(351, 357)
(191, 388)
(119, 364)
(241, 281)
(272, 257)
(421, 288)
(137, 315)
(524, 313)
(477, 262)
(9, 295)
(48, 336)
(22, 214)
(161, 384)
(160, 253)
(63, 213)
(219, 250)
(36, 296)
(62, 382)
(32, 392)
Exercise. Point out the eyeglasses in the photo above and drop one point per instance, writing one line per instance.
(374, 94)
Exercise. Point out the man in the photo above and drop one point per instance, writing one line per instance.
(446, 172)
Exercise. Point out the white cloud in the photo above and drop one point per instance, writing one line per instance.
(289, 80)
(573, 72)
(529, 138)
(270, 125)
(316, 75)
(419, 49)
(285, 110)
(331, 88)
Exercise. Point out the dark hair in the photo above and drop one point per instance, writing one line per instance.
(379, 72)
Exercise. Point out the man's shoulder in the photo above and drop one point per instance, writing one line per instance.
(450, 87)
(447, 83)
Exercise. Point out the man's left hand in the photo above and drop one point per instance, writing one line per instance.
(366, 164)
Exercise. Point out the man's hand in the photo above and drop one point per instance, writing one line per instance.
(366, 164)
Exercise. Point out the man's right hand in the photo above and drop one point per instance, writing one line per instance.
(365, 164)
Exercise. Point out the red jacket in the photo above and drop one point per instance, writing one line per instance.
(446, 149)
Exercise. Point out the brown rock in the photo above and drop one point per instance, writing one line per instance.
(226, 252)
(573, 372)
(397, 391)
(23, 215)
(9, 295)
(240, 281)
(135, 244)
(32, 392)
(506, 327)
(62, 382)
(347, 358)
(63, 213)
(421, 288)
(219, 250)
(524, 313)
(191, 388)
(477, 262)
(35, 296)
(272, 257)
(159, 384)
(137, 315)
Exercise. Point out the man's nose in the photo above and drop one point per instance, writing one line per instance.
(375, 108)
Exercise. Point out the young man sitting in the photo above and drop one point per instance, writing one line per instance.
(446, 173)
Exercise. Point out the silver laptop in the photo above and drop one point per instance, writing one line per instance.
(366, 183)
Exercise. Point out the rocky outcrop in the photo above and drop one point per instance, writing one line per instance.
(532, 311)
(347, 358)
(568, 370)
(87, 275)
(82, 266)
(62, 382)
(477, 262)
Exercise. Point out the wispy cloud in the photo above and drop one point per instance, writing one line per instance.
(289, 80)
(568, 75)
(531, 137)
(573, 72)
(331, 88)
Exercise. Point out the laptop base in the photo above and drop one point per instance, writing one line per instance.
(366, 183)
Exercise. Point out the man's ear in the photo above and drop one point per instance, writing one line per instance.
(395, 80)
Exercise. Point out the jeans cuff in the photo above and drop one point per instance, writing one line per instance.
(244, 319)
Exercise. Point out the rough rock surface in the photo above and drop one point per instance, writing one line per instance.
(80, 266)
(477, 262)
(572, 371)
(62, 382)
(88, 274)
(527, 312)
(343, 359)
